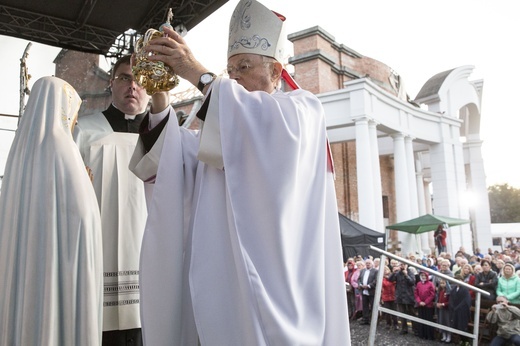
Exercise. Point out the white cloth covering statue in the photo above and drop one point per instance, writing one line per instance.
(50, 229)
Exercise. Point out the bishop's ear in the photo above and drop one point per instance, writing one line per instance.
(277, 71)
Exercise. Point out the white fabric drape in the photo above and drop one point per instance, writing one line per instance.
(253, 248)
(50, 229)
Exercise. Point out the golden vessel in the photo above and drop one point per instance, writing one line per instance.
(153, 76)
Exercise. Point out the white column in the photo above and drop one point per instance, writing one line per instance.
(421, 199)
(410, 164)
(428, 200)
(479, 209)
(376, 176)
(402, 190)
(465, 236)
(414, 207)
(419, 177)
(365, 181)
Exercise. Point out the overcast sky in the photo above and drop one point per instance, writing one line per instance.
(417, 39)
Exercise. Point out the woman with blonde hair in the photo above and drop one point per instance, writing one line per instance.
(509, 284)
(468, 276)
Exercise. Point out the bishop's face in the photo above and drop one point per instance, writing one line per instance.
(252, 71)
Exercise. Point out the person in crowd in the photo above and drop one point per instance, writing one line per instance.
(507, 318)
(499, 266)
(430, 264)
(466, 272)
(367, 285)
(460, 307)
(421, 261)
(204, 224)
(462, 263)
(351, 296)
(404, 292)
(459, 262)
(474, 260)
(107, 141)
(509, 284)
(415, 274)
(393, 263)
(424, 300)
(478, 253)
(447, 256)
(443, 312)
(50, 229)
(487, 280)
(377, 262)
(463, 252)
(440, 238)
(358, 300)
(477, 269)
(439, 261)
(493, 261)
(388, 299)
(444, 269)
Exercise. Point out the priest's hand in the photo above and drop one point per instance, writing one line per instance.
(160, 101)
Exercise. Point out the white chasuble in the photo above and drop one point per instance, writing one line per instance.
(259, 255)
(121, 200)
(51, 267)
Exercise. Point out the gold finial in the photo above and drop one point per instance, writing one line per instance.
(170, 16)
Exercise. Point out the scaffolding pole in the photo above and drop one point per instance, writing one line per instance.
(24, 80)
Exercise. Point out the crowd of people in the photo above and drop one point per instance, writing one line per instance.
(413, 291)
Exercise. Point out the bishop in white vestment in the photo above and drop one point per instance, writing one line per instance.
(242, 244)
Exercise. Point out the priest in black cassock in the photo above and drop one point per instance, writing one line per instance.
(107, 140)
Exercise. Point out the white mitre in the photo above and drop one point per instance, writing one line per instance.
(255, 29)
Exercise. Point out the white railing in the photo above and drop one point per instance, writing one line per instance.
(376, 308)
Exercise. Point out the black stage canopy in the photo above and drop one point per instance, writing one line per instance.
(356, 239)
(95, 26)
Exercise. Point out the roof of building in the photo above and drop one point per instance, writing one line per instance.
(432, 86)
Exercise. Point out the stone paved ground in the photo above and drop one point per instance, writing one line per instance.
(359, 336)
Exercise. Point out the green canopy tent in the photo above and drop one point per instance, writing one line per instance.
(426, 223)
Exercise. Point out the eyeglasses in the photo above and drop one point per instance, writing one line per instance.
(243, 68)
(125, 78)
